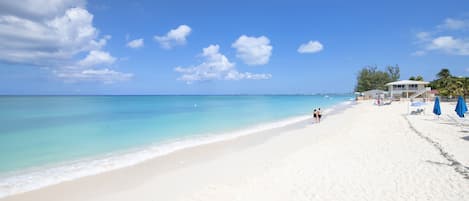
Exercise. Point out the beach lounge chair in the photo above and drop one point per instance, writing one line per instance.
(418, 111)
(415, 108)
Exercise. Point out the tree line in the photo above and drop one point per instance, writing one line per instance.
(447, 85)
(371, 78)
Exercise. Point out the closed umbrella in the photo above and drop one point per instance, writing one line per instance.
(436, 107)
(461, 107)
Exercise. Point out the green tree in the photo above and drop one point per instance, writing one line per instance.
(448, 85)
(416, 78)
(371, 78)
(455, 86)
(444, 73)
(394, 72)
(466, 86)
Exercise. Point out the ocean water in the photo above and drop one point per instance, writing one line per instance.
(49, 139)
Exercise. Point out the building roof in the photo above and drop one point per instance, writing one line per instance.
(406, 82)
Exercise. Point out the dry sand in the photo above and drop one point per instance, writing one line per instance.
(366, 152)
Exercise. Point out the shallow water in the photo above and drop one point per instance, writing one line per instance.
(41, 136)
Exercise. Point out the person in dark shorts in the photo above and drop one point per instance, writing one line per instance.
(315, 116)
(318, 114)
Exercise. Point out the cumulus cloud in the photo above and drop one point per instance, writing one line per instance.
(447, 44)
(174, 37)
(450, 45)
(59, 38)
(215, 67)
(137, 43)
(253, 50)
(38, 9)
(310, 47)
(52, 36)
(444, 39)
(97, 57)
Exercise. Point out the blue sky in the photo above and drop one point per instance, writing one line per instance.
(223, 47)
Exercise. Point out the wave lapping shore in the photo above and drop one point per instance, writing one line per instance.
(365, 152)
(112, 120)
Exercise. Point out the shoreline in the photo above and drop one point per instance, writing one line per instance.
(364, 152)
(73, 170)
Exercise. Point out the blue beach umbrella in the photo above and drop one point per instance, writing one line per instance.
(436, 107)
(461, 107)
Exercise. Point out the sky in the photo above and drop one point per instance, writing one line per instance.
(54, 47)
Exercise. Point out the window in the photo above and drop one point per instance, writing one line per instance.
(398, 87)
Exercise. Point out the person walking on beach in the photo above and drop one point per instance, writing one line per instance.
(318, 115)
(315, 116)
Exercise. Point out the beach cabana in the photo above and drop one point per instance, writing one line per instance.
(408, 89)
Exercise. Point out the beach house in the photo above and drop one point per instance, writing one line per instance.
(408, 89)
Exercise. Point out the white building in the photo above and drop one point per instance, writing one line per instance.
(408, 89)
(373, 94)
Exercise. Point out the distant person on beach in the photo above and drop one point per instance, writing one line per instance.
(314, 116)
(318, 115)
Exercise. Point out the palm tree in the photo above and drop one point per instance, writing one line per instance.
(455, 86)
(444, 73)
(446, 84)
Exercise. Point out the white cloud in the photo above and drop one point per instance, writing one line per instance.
(454, 24)
(86, 69)
(103, 75)
(235, 75)
(450, 45)
(253, 50)
(423, 36)
(137, 43)
(33, 9)
(444, 39)
(96, 57)
(51, 36)
(174, 37)
(215, 67)
(310, 47)
(42, 41)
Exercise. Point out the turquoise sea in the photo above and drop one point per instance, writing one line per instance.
(57, 138)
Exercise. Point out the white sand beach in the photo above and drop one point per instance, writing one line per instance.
(365, 152)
